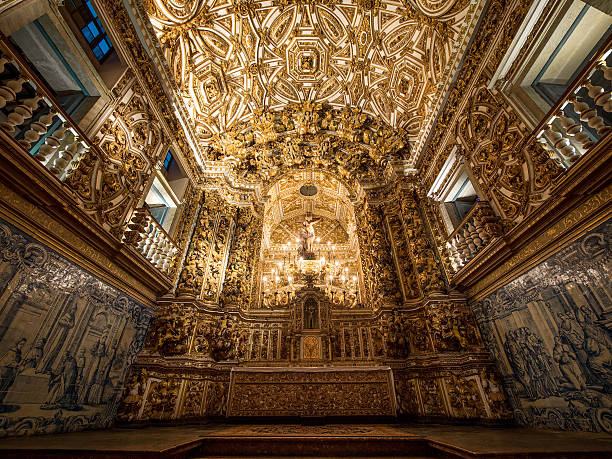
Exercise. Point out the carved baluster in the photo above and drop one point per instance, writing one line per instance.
(37, 129)
(20, 113)
(164, 261)
(52, 143)
(590, 116)
(73, 148)
(481, 239)
(147, 242)
(136, 228)
(144, 234)
(153, 254)
(10, 89)
(574, 129)
(561, 144)
(552, 154)
(454, 258)
(472, 227)
(159, 256)
(601, 97)
(471, 246)
(462, 248)
(172, 257)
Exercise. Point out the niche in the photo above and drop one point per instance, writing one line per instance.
(311, 314)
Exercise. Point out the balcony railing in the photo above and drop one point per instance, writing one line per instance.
(580, 119)
(475, 232)
(30, 113)
(151, 240)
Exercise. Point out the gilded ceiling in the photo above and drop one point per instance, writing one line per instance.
(328, 230)
(264, 81)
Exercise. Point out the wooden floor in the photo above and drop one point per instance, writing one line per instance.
(292, 440)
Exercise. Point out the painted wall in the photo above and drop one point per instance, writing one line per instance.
(550, 332)
(66, 340)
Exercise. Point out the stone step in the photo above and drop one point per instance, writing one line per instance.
(322, 446)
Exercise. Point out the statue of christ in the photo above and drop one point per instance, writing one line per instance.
(307, 234)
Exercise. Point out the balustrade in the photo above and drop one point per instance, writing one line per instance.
(31, 115)
(151, 240)
(479, 227)
(580, 119)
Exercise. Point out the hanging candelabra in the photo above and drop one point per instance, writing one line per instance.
(320, 267)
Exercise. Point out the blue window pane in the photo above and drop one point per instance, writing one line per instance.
(87, 34)
(167, 160)
(93, 32)
(104, 46)
(94, 29)
(98, 52)
(93, 12)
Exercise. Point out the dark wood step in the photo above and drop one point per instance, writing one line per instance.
(310, 446)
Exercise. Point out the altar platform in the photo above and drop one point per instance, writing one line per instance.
(295, 440)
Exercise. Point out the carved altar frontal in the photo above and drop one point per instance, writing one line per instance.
(340, 391)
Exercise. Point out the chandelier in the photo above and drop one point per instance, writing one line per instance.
(322, 266)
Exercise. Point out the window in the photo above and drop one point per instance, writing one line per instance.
(158, 202)
(460, 200)
(455, 191)
(87, 20)
(535, 73)
(168, 161)
(162, 202)
(575, 41)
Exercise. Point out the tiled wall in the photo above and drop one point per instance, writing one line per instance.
(66, 340)
(550, 333)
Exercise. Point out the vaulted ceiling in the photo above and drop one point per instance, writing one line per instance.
(325, 198)
(255, 76)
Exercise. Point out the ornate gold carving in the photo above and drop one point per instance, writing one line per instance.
(193, 399)
(191, 279)
(142, 66)
(408, 279)
(512, 169)
(452, 326)
(376, 257)
(346, 142)
(229, 63)
(161, 399)
(311, 347)
(218, 253)
(494, 393)
(425, 261)
(240, 279)
(191, 201)
(216, 398)
(133, 394)
(464, 397)
(110, 181)
(171, 330)
(307, 393)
